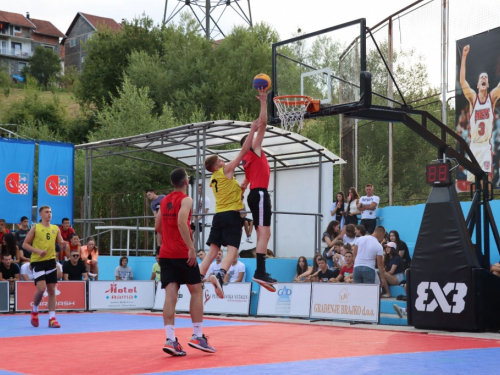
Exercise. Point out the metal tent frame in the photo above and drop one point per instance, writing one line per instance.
(190, 144)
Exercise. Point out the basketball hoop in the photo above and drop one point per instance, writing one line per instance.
(291, 110)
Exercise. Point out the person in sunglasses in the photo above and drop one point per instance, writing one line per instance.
(74, 268)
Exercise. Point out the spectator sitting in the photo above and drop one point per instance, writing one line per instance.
(311, 270)
(332, 233)
(22, 232)
(360, 231)
(8, 272)
(3, 229)
(302, 267)
(345, 274)
(247, 224)
(89, 254)
(123, 271)
(156, 271)
(214, 267)
(394, 273)
(66, 232)
(236, 273)
(74, 269)
(402, 248)
(201, 254)
(329, 254)
(323, 274)
(9, 246)
(350, 234)
(74, 244)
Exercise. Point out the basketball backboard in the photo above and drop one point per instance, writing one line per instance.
(325, 65)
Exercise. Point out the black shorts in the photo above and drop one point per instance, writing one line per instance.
(259, 203)
(243, 219)
(226, 229)
(45, 270)
(176, 270)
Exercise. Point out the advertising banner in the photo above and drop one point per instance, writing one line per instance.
(352, 302)
(477, 111)
(16, 178)
(70, 295)
(108, 295)
(236, 299)
(4, 296)
(290, 299)
(55, 179)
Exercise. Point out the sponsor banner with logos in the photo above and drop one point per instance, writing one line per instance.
(4, 296)
(70, 295)
(290, 299)
(352, 302)
(108, 295)
(236, 299)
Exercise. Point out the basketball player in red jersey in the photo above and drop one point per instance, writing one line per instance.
(178, 264)
(257, 173)
(482, 106)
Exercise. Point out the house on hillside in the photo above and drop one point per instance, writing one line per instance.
(80, 30)
(20, 35)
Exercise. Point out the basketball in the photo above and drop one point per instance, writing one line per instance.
(262, 81)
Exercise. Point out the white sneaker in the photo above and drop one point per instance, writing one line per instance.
(249, 240)
(399, 310)
(92, 274)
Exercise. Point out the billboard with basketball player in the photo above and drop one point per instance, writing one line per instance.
(477, 104)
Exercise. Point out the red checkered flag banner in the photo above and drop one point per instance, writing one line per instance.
(55, 176)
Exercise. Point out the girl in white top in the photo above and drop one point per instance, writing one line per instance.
(350, 234)
(352, 209)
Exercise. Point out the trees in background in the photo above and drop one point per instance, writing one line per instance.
(44, 66)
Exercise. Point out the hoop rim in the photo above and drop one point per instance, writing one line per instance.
(280, 99)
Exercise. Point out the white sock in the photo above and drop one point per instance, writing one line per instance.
(404, 310)
(197, 329)
(52, 314)
(35, 308)
(170, 329)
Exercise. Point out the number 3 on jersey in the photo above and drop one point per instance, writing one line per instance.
(480, 128)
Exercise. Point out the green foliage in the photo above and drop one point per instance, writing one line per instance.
(44, 66)
(70, 77)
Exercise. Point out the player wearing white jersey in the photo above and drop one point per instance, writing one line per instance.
(482, 106)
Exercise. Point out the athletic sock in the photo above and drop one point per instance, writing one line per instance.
(222, 272)
(170, 330)
(35, 308)
(197, 329)
(261, 263)
(52, 314)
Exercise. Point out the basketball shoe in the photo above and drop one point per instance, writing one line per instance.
(217, 282)
(201, 343)
(53, 323)
(173, 348)
(34, 319)
(265, 280)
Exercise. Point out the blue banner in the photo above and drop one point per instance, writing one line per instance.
(17, 165)
(55, 179)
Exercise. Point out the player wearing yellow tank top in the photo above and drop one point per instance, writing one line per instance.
(41, 241)
(226, 224)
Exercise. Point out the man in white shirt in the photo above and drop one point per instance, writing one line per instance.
(367, 252)
(214, 267)
(236, 273)
(367, 205)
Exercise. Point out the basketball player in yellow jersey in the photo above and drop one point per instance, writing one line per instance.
(482, 107)
(41, 241)
(226, 224)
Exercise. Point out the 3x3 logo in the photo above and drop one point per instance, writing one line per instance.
(440, 299)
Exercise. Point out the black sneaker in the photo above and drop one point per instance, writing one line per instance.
(217, 282)
(265, 280)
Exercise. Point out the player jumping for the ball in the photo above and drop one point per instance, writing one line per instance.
(226, 224)
(257, 173)
(482, 107)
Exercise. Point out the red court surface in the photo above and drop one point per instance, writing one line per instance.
(125, 350)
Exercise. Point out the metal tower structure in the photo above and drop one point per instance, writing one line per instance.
(209, 13)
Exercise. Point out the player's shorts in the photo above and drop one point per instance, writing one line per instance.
(483, 155)
(45, 270)
(259, 203)
(226, 229)
(243, 219)
(178, 271)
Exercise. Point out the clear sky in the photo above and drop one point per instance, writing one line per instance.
(286, 16)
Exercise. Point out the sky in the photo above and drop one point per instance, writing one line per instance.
(286, 16)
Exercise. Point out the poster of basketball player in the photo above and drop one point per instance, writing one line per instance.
(477, 104)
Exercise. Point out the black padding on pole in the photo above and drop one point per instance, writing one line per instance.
(365, 89)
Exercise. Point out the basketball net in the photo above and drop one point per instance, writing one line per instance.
(291, 110)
